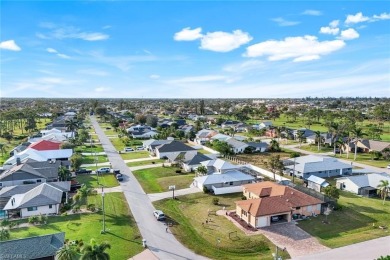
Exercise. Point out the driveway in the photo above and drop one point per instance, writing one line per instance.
(162, 244)
(169, 194)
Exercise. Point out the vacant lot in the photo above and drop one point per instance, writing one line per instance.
(123, 234)
(155, 180)
(91, 159)
(260, 159)
(189, 214)
(314, 148)
(93, 181)
(146, 162)
(357, 221)
(135, 155)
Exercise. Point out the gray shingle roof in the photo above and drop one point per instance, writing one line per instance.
(368, 180)
(174, 146)
(32, 247)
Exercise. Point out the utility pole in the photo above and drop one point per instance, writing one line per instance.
(104, 215)
(294, 170)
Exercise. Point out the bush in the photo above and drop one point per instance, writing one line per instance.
(42, 219)
(91, 207)
(178, 171)
(76, 208)
(243, 197)
(215, 201)
(64, 214)
(205, 190)
(5, 222)
(33, 220)
(65, 207)
(12, 224)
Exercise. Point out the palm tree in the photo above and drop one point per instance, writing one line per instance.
(384, 188)
(3, 148)
(72, 125)
(66, 253)
(95, 251)
(63, 173)
(357, 133)
(300, 137)
(201, 170)
(274, 146)
(318, 138)
(338, 143)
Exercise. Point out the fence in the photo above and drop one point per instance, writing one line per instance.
(313, 193)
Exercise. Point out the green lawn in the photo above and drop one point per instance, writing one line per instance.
(147, 162)
(203, 151)
(90, 159)
(189, 212)
(89, 149)
(123, 234)
(91, 180)
(353, 223)
(155, 180)
(135, 155)
(314, 148)
(365, 158)
(120, 146)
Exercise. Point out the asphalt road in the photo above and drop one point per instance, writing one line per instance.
(163, 244)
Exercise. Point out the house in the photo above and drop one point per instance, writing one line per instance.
(258, 146)
(306, 133)
(262, 125)
(46, 155)
(20, 148)
(271, 132)
(39, 247)
(268, 203)
(43, 199)
(190, 161)
(150, 145)
(7, 192)
(365, 185)
(316, 183)
(219, 166)
(229, 124)
(326, 138)
(144, 133)
(220, 137)
(237, 146)
(223, 183)
(45, 145)
(204, 136)
(367, 146)
(319, 166)
(137, 128)
(163, 150)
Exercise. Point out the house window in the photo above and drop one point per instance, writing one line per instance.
(1, 184)
(39, 180)
(32, 208)
(298, 208)
(50, 206)
(231, 183)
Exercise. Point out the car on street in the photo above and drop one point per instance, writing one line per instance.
(103, 170)
(129, 149)
(139, 148)
(159, 215)
(83, 171)
(119, 177)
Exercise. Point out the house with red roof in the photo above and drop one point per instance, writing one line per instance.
(268, 203)
(45, 145)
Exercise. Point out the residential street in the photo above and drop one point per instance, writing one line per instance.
(162, 244)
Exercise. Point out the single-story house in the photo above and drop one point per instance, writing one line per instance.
(43, 199)
(220, 137)
(306, 132)
(316, 183)
(237, 146)
(190, 161)
(204, 136)
(229, 124)
(258, 146)
(150, 145)
(164, 150)
(268, 203)
(46, 155)
(367, 146)
(365, 185)
(218, 165)
(317, 165)
(144, 133)
(42, 247)
(223, 183)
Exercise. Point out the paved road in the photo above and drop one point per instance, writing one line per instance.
(371, 249)
(162, 244)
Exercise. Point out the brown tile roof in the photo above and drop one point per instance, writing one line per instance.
(265, 188)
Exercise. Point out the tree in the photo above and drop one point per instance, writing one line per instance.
(83, 136)
(274, 146)
(3, 148)
(318, 139)
(4, 234)
(67, 252)
(294, 155)
(8, 136)
(140, 118)
(84, 191)
(201, 170)
(72, 125)
(63, 173)
(95, 251)
(300, 137)
(332, 191)
(383, 189)
(275, 164)
(76, 160)
(223, 147)
(151, 120)
(101, 111)
(201, 107)
(357, 133)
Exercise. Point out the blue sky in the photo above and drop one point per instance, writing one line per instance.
(207, 49)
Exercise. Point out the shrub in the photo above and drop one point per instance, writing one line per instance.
(91, 207)
(215, 201)
(33, 220)
(42, 219)
(12, 224)
(76, 208)
(65, 207)
(205, 190)
(5, 222)
(178, 171)
(243, 197)
(64, 214)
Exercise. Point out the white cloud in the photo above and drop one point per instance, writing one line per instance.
(154, 76)
(312, 12)
(106, 27)
(101, 89)
(223, 41)
(334, 23)
(382, 16)
(197, 79)
(357, 18)
(282, 22)
(349, 34)
(51, 50)
(188, 35)
(9, 45)
(297, 48)
(93, 72)
(329, 30)
(61, 55)
(70, 32)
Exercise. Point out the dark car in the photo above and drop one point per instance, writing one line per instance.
(119, 177)
(117, 171)
(83, 171)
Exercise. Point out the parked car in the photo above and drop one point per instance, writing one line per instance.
(83, 171)
(274, 218)
(129, 149)
(116, 171)
(388, 166)
(119, 177)
(140, 148)
(159, 215)
(103, 170)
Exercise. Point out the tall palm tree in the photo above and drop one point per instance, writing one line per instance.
(95, 251)
(72, 125)
(384, 188)
(318, 139)
(357, 133)
(66, 253)
(300, 137)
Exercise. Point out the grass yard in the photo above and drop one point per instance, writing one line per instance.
(89, 149)
(190, 211)
(314, 148)
(135, 155)
(365, 158)
(90, 159)
(123, 234)
(120, 146)
(91, 180)
(259, 159)
(203, 151)
(147, 162)
(353, 223)
(155, 180)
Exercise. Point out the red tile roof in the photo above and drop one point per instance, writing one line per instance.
(45, 145)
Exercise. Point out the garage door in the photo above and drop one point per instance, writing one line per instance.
(262, 222)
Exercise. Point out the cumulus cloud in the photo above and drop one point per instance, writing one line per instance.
(304, 48)
(329, 30)
(69, 32)
(312, 12)
(334, 23)
(188, 35)
(382, 16)
(283, 22)
(357, 18)
(349, 34)
(9, 45)
(223, 41)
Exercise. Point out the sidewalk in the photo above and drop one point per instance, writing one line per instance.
(168, 194)
(141, 167)
(92, 154)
